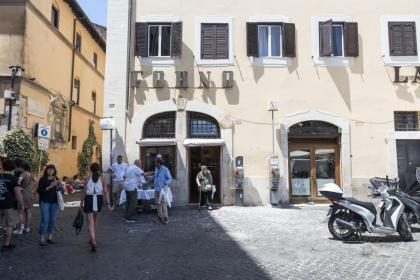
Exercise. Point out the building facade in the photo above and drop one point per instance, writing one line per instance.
(63, 56)
(329, 92)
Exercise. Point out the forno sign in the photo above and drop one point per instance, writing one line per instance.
(402, 80)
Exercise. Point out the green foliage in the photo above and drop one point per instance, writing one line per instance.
(85, 156)
(17, 144)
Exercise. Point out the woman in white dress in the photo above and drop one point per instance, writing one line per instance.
(92, 199)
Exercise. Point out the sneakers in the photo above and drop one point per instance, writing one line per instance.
(210, 208)
(129, 220)
(165, 221)
(17, 232)
(8, 247)
(27, 230)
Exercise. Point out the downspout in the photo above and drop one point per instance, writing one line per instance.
(129, 42)
(72, 79)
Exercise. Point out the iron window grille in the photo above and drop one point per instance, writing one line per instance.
(160, 126)
(406, 121)
(202, 126)
(313, 127)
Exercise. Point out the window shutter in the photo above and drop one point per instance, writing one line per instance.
(252, 39)
(222, 41)
(351, 39)
(409, 38)
(289, 40)
(395, 39)
(176, 39)
(325, 38)
(141, 48)
(208, 41)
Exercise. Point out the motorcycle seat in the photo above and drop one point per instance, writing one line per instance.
(367, 205)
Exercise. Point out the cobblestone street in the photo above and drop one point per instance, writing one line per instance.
(228, 243)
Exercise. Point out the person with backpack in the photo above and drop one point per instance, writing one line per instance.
(10, 196)
(91, 200)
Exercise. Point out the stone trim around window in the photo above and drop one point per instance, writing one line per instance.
(337, 61)
(398, 60)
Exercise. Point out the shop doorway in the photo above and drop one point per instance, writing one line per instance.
(209, 156)
(314, 160)
(408, 158)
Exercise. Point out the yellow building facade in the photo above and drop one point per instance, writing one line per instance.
(63, 56)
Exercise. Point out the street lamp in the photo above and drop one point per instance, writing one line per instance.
(10, 95)
(108, 123)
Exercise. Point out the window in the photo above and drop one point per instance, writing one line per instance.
(95, 60)
(148, 156)
(337, 40)
(402, 38)
(94, 101)
(160, 126)
(406, 121)
(58, 127)
(269, 40)
(78, 43)
(214, 41)
(159, 40)
(74, 142)
(76, 91)
(54, 16)
(202, 126)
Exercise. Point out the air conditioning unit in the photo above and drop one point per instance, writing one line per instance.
(227, 79)
(181, 79)
(158, 79)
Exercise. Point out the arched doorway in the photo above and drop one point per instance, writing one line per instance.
(314, 159)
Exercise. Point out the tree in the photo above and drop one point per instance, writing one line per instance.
(16, 144)
(85, 156)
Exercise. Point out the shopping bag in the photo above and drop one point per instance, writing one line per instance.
(78, 221)
(213, 190)
(60, 200)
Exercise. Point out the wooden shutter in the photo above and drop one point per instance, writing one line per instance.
(289, 40)
(208, 41)
(402, 38)
(176, 39)
(351, 39)
(142, 38)
(325, 38)
(252, 39)
(222, 41)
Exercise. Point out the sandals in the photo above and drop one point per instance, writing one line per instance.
(92, 246)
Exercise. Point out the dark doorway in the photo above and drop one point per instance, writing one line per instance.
(408, 157)
(209, 156)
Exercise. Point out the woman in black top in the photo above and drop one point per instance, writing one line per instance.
(48, 186)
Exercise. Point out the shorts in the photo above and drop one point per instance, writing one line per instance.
(117, 186)
(8, 217)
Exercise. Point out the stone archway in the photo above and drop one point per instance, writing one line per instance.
(345, 161)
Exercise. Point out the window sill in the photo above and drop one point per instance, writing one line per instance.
(159, 61)
(401, 60)
(215, 62)
(333, 61)
(271, 61)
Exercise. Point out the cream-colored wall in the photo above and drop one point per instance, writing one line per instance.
(363, 93)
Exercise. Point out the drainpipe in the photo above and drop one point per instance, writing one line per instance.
(127, 94)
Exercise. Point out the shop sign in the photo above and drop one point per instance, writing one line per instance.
(402, 80)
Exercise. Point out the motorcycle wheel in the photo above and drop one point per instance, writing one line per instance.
(337, 231)
(404, 229)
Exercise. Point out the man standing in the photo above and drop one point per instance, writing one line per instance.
(134, 178)
(118, 170)
(161, 178)
(10, 193)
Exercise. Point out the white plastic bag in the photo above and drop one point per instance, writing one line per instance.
(213, 190)
(165, 196)
(60, 200)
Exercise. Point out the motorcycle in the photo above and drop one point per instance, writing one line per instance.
(349, 217)
(411, 203)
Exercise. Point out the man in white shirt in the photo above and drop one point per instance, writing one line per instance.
(118, 170)
(134, 178)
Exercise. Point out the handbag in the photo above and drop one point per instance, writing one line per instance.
(78, 221)
(60, 200)
(207, 188)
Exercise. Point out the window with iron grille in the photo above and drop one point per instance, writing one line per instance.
(202, 126)
(406, 121)
(160, 126)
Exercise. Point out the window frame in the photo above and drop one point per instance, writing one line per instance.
(159, 25)
(95, 60)
(229, 20)
(398, 60)
(74, 142)
(205, 117)
(76, 81)
(55, 12)
(94, 96)
(78, 42)
(329, 61)
(269, 42)
(171, 115)
(341, 25)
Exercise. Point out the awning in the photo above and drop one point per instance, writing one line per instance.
(203, 142)
(156, 142)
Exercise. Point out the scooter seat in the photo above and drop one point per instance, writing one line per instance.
(415, 198)
(367, 205)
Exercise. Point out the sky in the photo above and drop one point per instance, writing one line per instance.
(95, 9)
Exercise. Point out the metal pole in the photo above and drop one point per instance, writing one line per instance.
(9, 118)
(272, 126)
(110, 165)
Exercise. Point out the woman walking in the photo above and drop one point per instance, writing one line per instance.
(204, 182)
(92, 199)
(48, 186)
(26, 181)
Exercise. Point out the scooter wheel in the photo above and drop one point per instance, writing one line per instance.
(337, 231)
(404, 229)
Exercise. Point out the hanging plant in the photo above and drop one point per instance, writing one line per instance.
(85, 156)
(16, 144)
